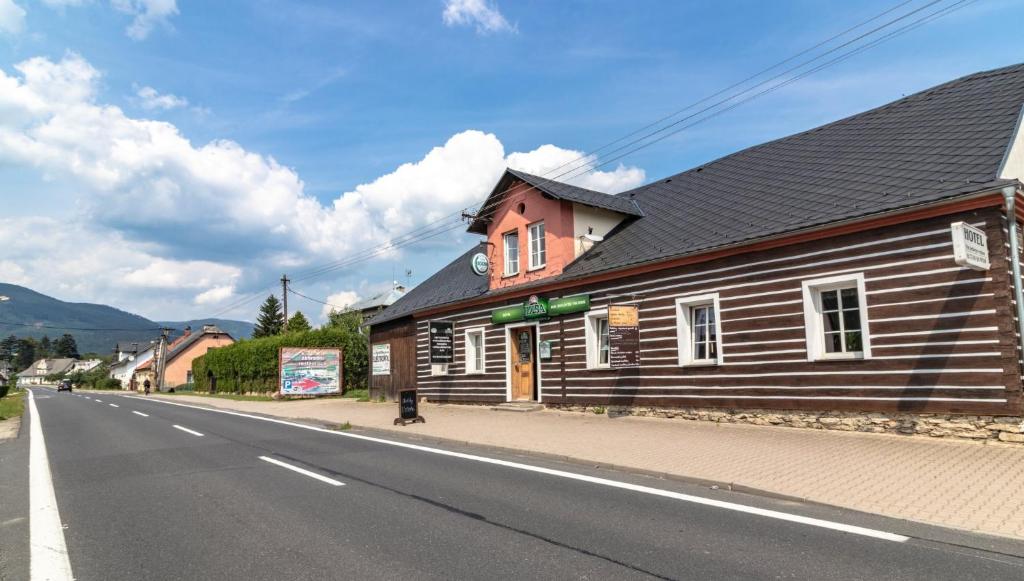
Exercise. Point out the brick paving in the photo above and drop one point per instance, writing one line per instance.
(966, 485)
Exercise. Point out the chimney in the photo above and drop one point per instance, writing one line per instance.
(209, 328)
(188, 331)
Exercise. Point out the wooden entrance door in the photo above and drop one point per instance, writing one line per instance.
(523, 356)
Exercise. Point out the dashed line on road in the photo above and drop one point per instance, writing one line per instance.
(774, 514)
(140, 413)
(184, 429)
(303, 471)
(48, 551)
(114, 405)
(98, 400)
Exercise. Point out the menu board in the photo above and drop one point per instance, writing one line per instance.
(623, 336)
(442, 341)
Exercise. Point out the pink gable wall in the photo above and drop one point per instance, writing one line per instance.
(176, 372)
(558, 226)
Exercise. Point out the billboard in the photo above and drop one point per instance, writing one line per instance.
(381, 358)
(310, 371)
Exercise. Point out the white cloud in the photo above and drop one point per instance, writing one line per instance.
(338, 301)
(12, 18)
(215, 295)
(147, 13)
(150, 99)
(170, 215)
(63, 3)
(480, 13)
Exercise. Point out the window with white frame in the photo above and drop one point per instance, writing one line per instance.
(699, 330)
(835, 315)
(596, 329)
(475, 350)
(538, 246)
(511, 253)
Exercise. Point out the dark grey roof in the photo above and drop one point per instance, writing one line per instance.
(556, 190)
(179, 345)
(453, 283)
(938, 144)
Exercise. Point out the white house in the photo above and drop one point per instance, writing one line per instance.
(127, 358)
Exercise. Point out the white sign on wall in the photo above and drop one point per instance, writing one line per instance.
(970, 246)
(382, 359)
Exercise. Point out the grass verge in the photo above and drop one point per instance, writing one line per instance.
(12, 405)
(234, 396)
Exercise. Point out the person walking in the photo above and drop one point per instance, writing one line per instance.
(145, 386)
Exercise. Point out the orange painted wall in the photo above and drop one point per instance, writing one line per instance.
(558, 227)
(176, 372)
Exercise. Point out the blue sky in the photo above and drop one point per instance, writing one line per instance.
(292, 134)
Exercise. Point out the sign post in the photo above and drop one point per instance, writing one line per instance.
(408, 408)
(623, 336)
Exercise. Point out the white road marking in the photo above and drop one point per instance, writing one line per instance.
(775, 514)
(330, 481)
(140, 413)
(193, 432)
(114, 405)
(48, 553)
(87, 397)
(97, 400)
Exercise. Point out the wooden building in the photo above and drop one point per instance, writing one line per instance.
(862, 266)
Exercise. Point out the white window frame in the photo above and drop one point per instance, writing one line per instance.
(813, 325)
(504, 237)
(470, 356)
(684, 329)
(590, 329)
(543, 242)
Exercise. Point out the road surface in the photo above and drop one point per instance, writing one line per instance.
(153, 490)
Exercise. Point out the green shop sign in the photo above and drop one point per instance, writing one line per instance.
(540, 308)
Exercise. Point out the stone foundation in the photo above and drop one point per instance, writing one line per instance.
(1009, 429)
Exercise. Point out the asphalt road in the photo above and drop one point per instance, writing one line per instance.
(145, 497)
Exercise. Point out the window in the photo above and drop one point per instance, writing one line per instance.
(511, 253)
(836, 318)
(475, 350)
(699, 330)
(538, 246)
(596, 329)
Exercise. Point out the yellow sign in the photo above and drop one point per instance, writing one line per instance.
(623, 316)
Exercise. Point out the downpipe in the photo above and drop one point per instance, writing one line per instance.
(1010, 195)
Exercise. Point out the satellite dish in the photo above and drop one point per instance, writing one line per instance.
(593, 237)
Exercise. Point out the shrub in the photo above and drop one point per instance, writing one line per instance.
(251, 365)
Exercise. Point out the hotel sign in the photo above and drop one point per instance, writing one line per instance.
(541, 308)
(970, 246)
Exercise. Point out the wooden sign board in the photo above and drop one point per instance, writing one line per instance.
(623, 336)
(408, 408)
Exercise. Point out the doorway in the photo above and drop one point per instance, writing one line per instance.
(523, 363)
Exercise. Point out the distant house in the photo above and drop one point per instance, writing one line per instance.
(127, 358)
(84, 365)
(36, 373)
(183, 350)
(379, 302)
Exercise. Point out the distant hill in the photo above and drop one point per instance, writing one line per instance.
(96, 328)
(237, 329)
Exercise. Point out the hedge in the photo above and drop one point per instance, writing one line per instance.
(251, 365)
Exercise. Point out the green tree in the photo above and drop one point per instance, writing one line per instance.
(270, 321)
(299, 323)
(66, 347)
(26, 354)
(45, 348)
(8, 347)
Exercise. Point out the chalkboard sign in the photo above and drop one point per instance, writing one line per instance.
(442, 341)
(623, 336)
(408, 408)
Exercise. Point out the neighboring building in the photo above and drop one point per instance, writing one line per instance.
(127, 358)
(85, 365)
(377, 303)
(141, 373)
(812, 274)
(183, 350)
(37, 372)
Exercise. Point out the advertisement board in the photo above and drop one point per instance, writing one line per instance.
(970, 246)
(442, 341)
(381, 356)
(310, 371)
(623, 336)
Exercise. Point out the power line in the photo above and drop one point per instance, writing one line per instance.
(41, 326)
(444, 224)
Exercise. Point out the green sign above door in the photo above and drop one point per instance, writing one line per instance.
(540, 308)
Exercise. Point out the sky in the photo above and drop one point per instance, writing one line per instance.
(173, 158)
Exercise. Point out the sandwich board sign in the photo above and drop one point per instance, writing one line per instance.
(408, 409)
(970, 246)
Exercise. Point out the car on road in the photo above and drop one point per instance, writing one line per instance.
(64, 385)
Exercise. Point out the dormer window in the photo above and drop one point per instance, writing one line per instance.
(511, 253)
(538, 246)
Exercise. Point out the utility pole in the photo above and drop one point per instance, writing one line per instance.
(284, 294)
(161, 358)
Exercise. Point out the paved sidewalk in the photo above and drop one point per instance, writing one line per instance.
(965, 485)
